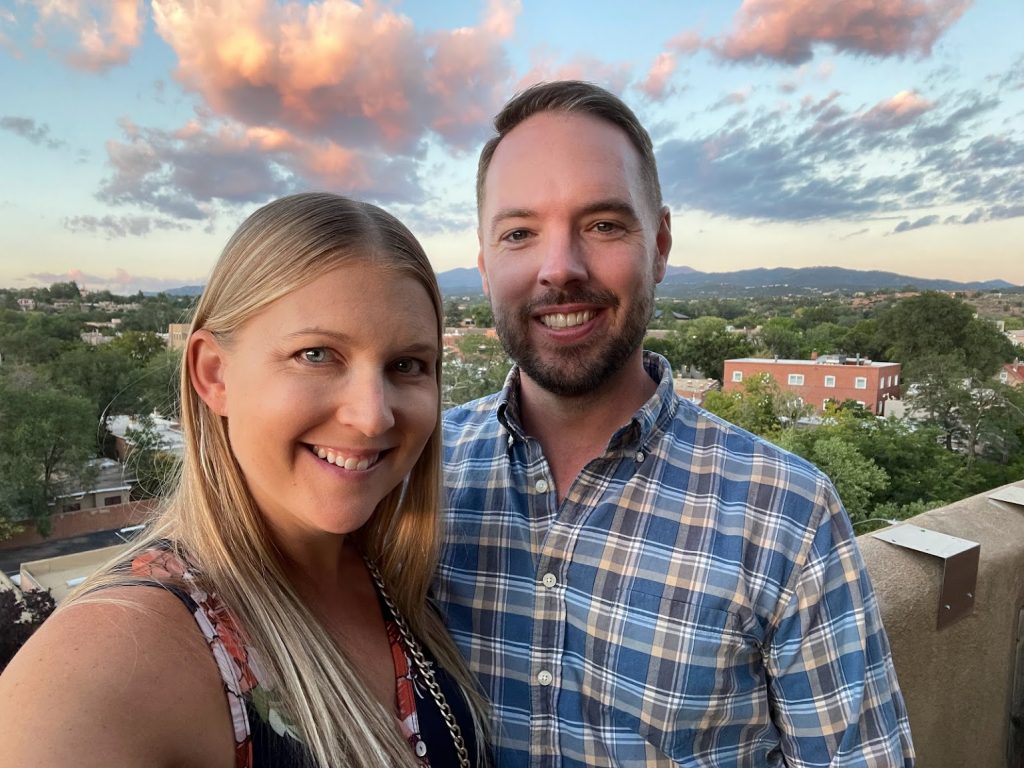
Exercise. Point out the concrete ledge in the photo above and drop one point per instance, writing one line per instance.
(958, 681)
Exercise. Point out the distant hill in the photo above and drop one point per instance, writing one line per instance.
(817, 279)
(685, 281)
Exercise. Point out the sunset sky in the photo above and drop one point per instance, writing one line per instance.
(869, 134)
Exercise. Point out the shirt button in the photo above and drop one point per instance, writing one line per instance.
(640, 457)
(421, 749)
(541, 486)
(549, 580)
(544, 677)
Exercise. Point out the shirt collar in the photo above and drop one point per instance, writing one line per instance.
(659, 409)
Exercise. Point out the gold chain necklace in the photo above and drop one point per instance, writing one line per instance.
(412, 647)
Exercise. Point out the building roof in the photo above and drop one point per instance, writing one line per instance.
(63, 573)
(851, 362)
(169, 431)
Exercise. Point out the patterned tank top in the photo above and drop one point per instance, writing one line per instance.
(263, 737)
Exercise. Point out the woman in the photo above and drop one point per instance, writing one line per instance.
(301, 537)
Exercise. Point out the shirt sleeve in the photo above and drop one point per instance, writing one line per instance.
(831, 682)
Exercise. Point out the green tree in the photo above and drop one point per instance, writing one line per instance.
(478, 369)
(781, 337)
(158, 386)
(482, 315)
(705, 344)
(761, 406)
(856, 477)
(155, 467)
(46, 439)
(139, 346)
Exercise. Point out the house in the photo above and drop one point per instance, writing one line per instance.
(1012, 374)
(177, 335)
(168, 431)
(111, 487)
(822, 379)
(1017, 337)
(694, 390)
(26, 305)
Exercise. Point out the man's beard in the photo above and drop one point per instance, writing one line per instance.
(577, 369)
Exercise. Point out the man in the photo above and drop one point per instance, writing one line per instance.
(634, 581)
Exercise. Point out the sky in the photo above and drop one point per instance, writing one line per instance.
(867, 134)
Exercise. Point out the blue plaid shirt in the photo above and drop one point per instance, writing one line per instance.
(697, 598)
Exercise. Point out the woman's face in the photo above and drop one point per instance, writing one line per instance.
(330, 396)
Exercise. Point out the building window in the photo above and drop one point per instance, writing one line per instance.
(896, 380)
(862, 404)
(796, 379)
(1004, 376)
(830, 381)
(110, 501)
(860, 382)
(737, 375)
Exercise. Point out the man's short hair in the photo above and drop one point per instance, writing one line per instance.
(574, 97)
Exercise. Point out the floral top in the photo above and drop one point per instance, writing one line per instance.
(263, 737)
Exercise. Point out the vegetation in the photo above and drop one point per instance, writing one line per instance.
(20, 616)
(965, 432)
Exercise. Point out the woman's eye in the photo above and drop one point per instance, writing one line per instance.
(409, 365)
(314, 355)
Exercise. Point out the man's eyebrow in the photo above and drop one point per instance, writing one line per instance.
(613, 205)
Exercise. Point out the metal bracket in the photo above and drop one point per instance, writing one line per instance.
(959, 566)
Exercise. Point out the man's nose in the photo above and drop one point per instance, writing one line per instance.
(564, 260)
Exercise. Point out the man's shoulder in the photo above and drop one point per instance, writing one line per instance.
(472, 412)
(710, 434)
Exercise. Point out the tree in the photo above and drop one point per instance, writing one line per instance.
(761, 406)
(19, 618)
(478, 369)
(782, 338)
(139, 346)
(483, 316)
(46, 439)
(705, 344)
(856, 477)
(155, 468)
(932, 324)
(158, 386)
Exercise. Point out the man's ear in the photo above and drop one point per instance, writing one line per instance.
(663, 244)
(207, 362)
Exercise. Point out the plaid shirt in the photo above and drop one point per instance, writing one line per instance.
(697, 598)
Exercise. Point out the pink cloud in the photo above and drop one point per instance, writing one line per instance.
(338, 69)
(614, 77)
(788, 30)
(900, 110)
(107, 32)
(686, 43)
(657, 84)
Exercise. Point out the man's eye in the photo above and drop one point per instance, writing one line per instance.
(314, 355)
(606, 227)
(517, 235)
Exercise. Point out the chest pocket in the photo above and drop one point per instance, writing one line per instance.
(677, 673)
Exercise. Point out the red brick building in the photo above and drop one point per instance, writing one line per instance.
(825, 378)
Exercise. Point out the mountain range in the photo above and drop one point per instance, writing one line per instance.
(685, 281)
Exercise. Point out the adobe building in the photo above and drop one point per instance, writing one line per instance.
(821, 379)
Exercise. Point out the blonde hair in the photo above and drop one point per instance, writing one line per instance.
(212, 519)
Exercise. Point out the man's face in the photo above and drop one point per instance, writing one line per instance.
(570, 250)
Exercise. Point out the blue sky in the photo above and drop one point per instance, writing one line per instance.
(877, 134)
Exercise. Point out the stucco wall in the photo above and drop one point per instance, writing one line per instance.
(957, 681)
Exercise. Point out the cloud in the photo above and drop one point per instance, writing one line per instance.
(733, 99)
(1013, 79)
(657, 85)
(891, 114)
(924, 221)
(108, 31)
(354, 74)
(859, 232)
(120, 226)
(787, 31)
(828, 161)
(29, 129)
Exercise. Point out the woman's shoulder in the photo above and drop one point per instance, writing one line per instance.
(121, 677)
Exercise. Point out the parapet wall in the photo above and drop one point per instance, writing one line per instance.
(958, 682)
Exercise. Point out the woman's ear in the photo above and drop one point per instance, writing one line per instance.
(207, 361)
